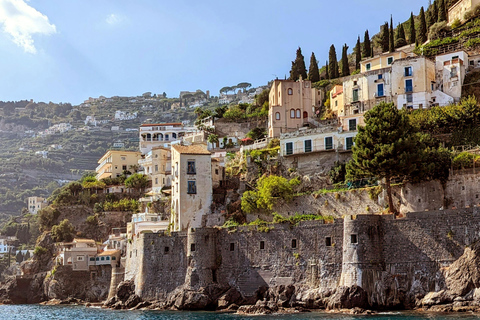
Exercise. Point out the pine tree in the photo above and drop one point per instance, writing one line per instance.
(384, 38)
(442, 15)
(332, 63)
(298, 67)
(391, 37)
(383, 147)
(358, 54)
(313, 73)
(422, 31)
(412, 38)
(345, 66)
(367, 49)
(327, 73)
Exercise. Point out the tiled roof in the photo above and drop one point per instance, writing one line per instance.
(161, 124)
(193, 149)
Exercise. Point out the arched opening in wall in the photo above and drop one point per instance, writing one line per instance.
(167, 137)
(305, 114)
(174, 135)
(160, 137)
(299, 114)
(292, 113)
(290, 91)
(148, 137)
(277, 116)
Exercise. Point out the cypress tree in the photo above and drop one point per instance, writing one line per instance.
(358, 54)
(422, 31)
(332, 63)
(442, 15)
(313, 73)
(327, 74)
(367, 49)
(412, 38)
(384, 38)
(391, 37)
(345, 66)
(298, 67)
(434, 12)
(429, 17)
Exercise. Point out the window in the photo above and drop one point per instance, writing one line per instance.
(328, 143)
(114, 258)
(292, 113)
(349, 143)
(156, 180)
(289, 148)
(409, 97)
(93, 259)
(355, 82)
(192, 247)
(353, 238)
(192, 187)
(232, 246)
(389, 60)
(352, 124)
(299, 114)
(453, 72)
(336, 103)
(262, 245)
(305, 114)
(166, 250)
(156, 167)
(408, 71)
(355, 95)
(308, 145)
(80, 258)
(328, 241)
(409, 85)
(123, 158)
(103, 258)
(124, 167)
(191, 167)
(216, 171)
(277, 116)
(380, 92)
(380, 76)
(290, 91)
(368, 66)
(294, 243)
(108, 258)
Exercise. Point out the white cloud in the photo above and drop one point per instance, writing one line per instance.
(22, 21)
(113, 19)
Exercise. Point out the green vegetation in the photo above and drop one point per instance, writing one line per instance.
(63, 232)
(121, 205)
(313, 72)
(39, 251)
(269, 189)
(297, 218)
(332, 63)
(298, 67)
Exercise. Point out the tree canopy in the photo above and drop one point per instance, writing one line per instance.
(298, 67)
(332, 63)
(313, 72)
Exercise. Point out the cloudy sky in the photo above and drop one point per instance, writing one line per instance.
(69, 50)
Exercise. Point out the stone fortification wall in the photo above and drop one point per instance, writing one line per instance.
(393, 260)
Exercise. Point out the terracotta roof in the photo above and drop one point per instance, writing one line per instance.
(83, 240)
(161, 124)
(193, 149)
(108, 253)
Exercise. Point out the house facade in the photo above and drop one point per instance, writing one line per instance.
(77, 254)
(291, 104)
(36, 204)
(157, 166)
(115, 162)
(160, 135)
(458, 10)
(191, 186)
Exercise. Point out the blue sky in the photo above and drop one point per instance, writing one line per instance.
(69, 50)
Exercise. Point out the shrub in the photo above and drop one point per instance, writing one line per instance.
(437, 28)
(63, 232)
(48, 217)
(472, 13)
(38, 251)
(472, 43)
(463, 160)
(456, 23)
(400, 42)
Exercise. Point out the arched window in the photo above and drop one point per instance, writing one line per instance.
(299, 114)
(305, 114)
(290, 91)
(292, 113)
(277, 116)
(174, 135)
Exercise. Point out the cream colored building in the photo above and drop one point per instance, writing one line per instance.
(291, 104)
(191, 186)
(77, 253)
(114, 162)
(458, 10)
(36, 204)
(325, 139)
(157, 166)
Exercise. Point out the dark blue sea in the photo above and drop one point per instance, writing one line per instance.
(39, 312)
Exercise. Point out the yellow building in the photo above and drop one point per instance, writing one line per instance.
(115, 162)
(291, 104)
(36, 204)
(336, 100)
(191, 186)
(458, 10)
(384, 60)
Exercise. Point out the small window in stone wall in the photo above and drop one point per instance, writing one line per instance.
(232, 246)
(262, 245)
(353, 238)
(419, 200)
(294, 243)
(328, 241)
(476, 196)
(166, 250)
(192, 247)
(463, 187)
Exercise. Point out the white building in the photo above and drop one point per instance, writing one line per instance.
(160, 135)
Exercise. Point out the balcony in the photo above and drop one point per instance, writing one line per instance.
(103, 163)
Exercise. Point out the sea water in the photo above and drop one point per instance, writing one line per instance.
(39, 312)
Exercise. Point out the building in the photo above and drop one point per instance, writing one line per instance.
(157, 166)
(147, 222)
(77, 253)
(336, 100)
(458, 10)
(160, 135)
(191, 186)
(7, 244)
(384, 60)
(451, 69)
(36, 204)
(115, 162)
